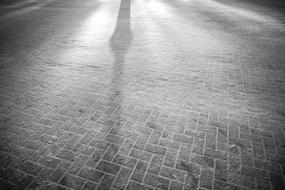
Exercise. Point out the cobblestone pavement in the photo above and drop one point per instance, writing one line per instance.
(142, 94)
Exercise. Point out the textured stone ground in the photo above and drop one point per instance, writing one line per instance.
(142, 94)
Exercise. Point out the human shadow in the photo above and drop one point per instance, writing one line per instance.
(120, 43)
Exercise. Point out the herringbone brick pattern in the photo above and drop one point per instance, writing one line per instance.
(185, 116)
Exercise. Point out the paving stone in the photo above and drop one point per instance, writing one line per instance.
(233, 131)
(108, 167)
(33, 145)
(7, 185)
(114, 139)
(188, 167)
(91, 174)
(89, 186)
(156, 181)
(64, 164)
(106, 182)
(173, 174)
(88, 137)
(67, 155)
(277, 181)
(125, 161)
(211, 141)
(254, 172)
(77, 164)
(12, 175)
(45, 173)
(49, 161)
(170, 157)
(99, 144)
(57, 175)
(258, 151)
(80, 148)
(176, 186)
(122, 179)
(183, 138)
(111, 152)
(221, 170)
(195, 133)
(169, 143)
(155, 164)
(141, 141)
(263, 184)
(72, 182)
(216, 154)
(191, 181)
(203, 160)
(206, 178)
(154, 137)
(184, 153)
(155, 149)
(135, 185)
(139, 171)
(142, 155)
(25, 181)
(138, 176)
(219, 185)
(31, 168)
(247, 158)
(267, 165)
(95, 157)
(154, 125)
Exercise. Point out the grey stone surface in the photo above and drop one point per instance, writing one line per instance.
(142, 94)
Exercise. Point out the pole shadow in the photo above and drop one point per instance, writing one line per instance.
(120, 43)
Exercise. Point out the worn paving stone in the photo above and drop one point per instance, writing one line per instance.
(49, 161)
(108, 167)
(106, 182)
(91, 174)
(122, 179)
(31, 168)
(155, 149)
(95, 158)
(57, 175)
(156, 181)
(111, 152)
(77, 164)
(206, 178)
(173, 174)
(170, 157)
(72, 182)
(89, 186)
(67, 155)
(142, 155)
(155, 164)
(125, 161)
(135, 185)
(139, 171)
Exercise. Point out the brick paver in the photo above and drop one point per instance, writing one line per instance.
(142, 94)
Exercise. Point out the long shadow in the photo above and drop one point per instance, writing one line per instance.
(212, 17)
(120, 43)
(14, 9)
(278, 5)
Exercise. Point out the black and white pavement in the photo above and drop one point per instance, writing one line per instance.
(142, 94)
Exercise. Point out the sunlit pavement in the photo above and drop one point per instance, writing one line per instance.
(142, 94)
